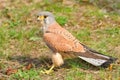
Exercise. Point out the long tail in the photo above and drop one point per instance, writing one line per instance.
(95, 58)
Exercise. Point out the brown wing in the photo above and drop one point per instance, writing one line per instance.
(59, 39)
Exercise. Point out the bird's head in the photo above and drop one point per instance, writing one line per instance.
(46, 18)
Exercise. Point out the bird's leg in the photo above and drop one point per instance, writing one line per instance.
(110, 67)
(57, 61)
(50, 70)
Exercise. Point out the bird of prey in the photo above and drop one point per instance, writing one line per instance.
(61, 43)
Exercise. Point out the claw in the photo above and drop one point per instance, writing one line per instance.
(48, 71)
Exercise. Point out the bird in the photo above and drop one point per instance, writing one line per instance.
(61, 42)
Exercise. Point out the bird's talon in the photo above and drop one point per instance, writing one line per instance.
(46, 71)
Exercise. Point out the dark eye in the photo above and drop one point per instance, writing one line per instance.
(37, 16)
(45, 16)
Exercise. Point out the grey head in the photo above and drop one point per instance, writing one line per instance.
(46, 18)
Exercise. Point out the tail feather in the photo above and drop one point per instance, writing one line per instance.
(108, 62)
(95, 58)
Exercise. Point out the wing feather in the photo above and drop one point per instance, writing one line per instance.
(59, 39)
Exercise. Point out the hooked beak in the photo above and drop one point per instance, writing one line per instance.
(40, 18)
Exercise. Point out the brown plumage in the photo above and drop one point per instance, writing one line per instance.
(61, 42)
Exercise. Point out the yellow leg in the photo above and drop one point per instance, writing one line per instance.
(111, 67)
(49, 71)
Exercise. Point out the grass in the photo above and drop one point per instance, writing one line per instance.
(77, 75)
(21, 42)
(30, 74)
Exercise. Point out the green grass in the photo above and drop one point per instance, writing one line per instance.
(29, 74)
(20, 35)
(77, 75)
(61, 20)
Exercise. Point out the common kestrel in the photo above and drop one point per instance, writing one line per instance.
(61, 43)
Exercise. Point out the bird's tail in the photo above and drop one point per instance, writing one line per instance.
(95, 58)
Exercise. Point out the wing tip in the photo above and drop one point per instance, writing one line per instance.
(108, 62)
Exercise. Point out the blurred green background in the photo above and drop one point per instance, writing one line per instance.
(95, 23)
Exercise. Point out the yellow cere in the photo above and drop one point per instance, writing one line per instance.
(40, 17)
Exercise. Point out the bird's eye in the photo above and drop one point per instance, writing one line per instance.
(37, 16)
(45, 16)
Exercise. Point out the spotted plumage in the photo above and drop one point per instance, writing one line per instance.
(61, 42)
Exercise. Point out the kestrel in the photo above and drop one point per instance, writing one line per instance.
(62, 43)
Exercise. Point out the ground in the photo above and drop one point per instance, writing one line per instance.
(24, 55)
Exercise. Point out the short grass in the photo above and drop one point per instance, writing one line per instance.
(21, 43)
